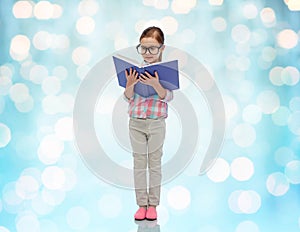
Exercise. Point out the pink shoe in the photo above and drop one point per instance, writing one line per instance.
(140, 214)
(151, 214)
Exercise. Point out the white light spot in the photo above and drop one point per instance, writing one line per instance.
(53, 197)
(250, 11)
(110, 206)
(287, 39)
(4, 229)
(40, 206)
(258, 37)
(51, 85)
(53, 177)
(25, 106)
(71, 178)
(245, 90)
(269, 54)
(78, 218)
(179, 198)
(82, 71)
(219, 24)
(50, 149)
(88, 7)
(28, 222)
(249, 202)
(252, 114)
(19, 92)
(183, 6)
(244, 135)
(7, 70)
(294, 122)
(292, 172)
(27, 187)
(277, 184)
(231, 107)
(216, 2)
(5, 85)
(23, 9)
(233, 201)
(290, 76)
(294, 104)
(51, 104)
(85, 25)
(281, 116)
(42, 40)
(148, 2)
(163, 215)
(57, 11)
(81, 55)
(293, 5)
(54, 104)
(64, 129)
(219, 171)
(67, 103)
(120, 42)
(43, 10)
(268, 101)
(61, 42)
(169, 25)
(247, 226)
(161, 4)
(11, 200)
(268, 17)
(38, 73)
(240, 33)
(61, 72)
(19, 47)
(242, 169)
(275, 76)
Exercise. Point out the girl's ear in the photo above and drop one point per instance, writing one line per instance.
(163, 47)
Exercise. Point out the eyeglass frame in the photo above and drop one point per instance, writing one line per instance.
(148, 49)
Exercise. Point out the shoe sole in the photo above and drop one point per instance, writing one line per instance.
(151, 219)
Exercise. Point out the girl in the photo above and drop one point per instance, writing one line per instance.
(147, 125)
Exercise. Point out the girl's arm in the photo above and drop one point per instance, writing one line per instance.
(154, 82)
(161, 91)
(131, 81)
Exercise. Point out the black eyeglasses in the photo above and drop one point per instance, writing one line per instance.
(154, 50)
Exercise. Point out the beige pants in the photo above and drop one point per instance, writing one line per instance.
(147, 138)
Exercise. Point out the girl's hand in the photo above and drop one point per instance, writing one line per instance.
(132, 77)
(148, 79)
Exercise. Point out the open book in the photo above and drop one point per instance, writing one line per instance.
(167, 72)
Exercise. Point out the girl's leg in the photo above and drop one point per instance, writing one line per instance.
(138, 141)
(155, 150)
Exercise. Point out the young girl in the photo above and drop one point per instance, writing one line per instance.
(147, 125)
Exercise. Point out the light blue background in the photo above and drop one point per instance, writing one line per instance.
(254, 186)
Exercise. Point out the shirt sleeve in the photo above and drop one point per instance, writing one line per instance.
(126, 98)
(169, 96)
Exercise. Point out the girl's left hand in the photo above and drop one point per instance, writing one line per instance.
(148, 79)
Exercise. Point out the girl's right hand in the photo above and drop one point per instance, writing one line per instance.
(132, 77)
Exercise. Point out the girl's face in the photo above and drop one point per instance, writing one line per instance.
(152, 44)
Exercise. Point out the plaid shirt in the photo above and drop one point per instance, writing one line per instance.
(150, 107)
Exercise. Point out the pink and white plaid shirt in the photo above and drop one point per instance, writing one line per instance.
(150, 107)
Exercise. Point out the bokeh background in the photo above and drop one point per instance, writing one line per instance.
(250, 47)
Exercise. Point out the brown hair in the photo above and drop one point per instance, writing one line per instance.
(156, 33)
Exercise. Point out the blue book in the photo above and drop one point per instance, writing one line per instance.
(167, 71)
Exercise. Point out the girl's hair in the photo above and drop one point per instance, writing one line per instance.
(154, 32)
